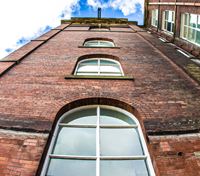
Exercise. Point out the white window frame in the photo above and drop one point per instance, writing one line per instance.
(166, 20)
(154, 17)
(98, 43)
(145, 157)
(98, 71)
(183, 26)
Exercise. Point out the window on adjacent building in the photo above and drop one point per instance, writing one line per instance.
(154, 18)
(99, 43)
(190, 27)
(168, 21)
(98, 141)
(99, 66)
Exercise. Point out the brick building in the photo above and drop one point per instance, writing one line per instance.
(99, 97)
(177, 21)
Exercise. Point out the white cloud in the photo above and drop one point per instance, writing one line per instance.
(126, 6)
(27, 18)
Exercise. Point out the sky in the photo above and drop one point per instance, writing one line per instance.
(24, 20)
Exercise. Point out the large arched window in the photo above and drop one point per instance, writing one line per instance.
(98, 43)
(99, 66)
(98, 141)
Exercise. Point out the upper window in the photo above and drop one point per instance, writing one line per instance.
(98, 141)
(99, 28)
(190, 27)
(99, 66)
(98, 43)
(154, 17)
(168, 21)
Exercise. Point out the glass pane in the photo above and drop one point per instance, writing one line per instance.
(198, 23)
(185, 32)
(66, 167)
(88, 116)
(186, 19)
(87, 68)
(113, 69)
(193, 20)
(89, 62)
(120, 142)
(166, 15)
(198, 37)
(91, 43)
(169, 26)
(170, 18)
(106, 44)
(76, 141)
(191, 34)
(123, 168)
(107, 62)
(108, 116)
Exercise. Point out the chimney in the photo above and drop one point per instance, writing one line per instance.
(99, 13)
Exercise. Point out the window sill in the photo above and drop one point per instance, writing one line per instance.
(99, 77)
(115, 47)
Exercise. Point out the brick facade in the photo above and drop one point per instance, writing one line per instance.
(182, 6)
(35, 93)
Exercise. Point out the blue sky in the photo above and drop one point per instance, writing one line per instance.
(28, 19)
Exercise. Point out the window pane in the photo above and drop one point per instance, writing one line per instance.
(198, 37)
(106, 43)
(186, 19)
(108, 116)
(64, 167)
(169, 26)
(193, 20)
(107, 62)
(90, 62)
(123, 168)
(113, 69)
(198, 24)
(91, 43)
(120, 142)
(185, 32)
(170, 18)
(88, 116)
(191, 34)
(76, 141)
(87, 68)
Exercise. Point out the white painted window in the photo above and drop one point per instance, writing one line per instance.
(168, 21)
(154, 17)
(99, 66)
(98, 141)
(190, 28)
(99, 43)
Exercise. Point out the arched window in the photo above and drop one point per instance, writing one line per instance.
(98, 141)
(99, 66)
(98, 43)
(99, 28)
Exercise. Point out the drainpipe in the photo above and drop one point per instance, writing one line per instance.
(146, 13)
(175, 22)
(158, 26)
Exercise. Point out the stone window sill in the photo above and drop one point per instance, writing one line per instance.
(99, 77)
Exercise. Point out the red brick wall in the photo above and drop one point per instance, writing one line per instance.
(194, 49)
(20, 153)
(35, 90)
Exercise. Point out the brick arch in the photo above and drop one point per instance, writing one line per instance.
(134, 107)
(88, 56)
(98, 38)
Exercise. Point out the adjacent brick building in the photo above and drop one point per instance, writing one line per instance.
(178, 21)
(45, 80)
